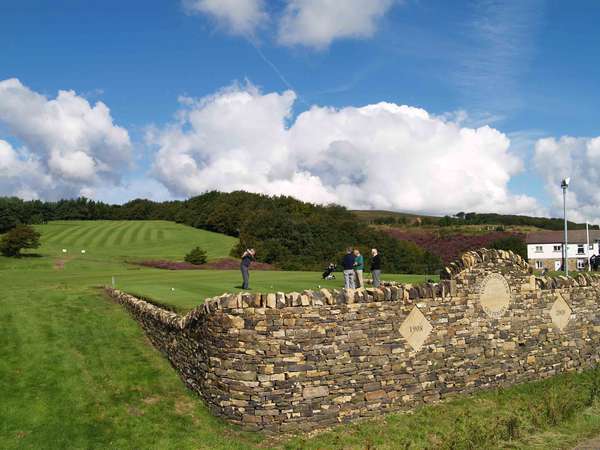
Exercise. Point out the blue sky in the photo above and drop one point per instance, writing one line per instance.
(527, 70)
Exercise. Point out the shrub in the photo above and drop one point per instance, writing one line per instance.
(19, 238)
(197, 256)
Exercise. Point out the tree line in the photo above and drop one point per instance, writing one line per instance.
(286, 232)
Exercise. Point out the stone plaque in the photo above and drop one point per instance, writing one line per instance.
(415, 329)
(494, 295)
(560, 313)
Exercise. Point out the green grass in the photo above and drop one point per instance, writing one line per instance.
(130, 240)
(77, 372)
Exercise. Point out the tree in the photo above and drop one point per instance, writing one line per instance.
(196, 256)
(8, 220)
(514, 243)
(19, 238)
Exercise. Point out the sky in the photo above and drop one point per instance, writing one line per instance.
(422, 106)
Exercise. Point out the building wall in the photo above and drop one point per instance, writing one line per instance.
(303, 361)
(550, 264)
(549, 253)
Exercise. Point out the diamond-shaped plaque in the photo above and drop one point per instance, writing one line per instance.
(560, 313)
(415, 329)
(494, 295)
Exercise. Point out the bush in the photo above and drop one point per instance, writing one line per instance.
(197, 256)
(19, 238)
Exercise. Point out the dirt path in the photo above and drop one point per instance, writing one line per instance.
(59, 263)
(591, 444)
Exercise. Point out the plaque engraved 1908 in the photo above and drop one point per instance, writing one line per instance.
(494, 295)
(415, 329)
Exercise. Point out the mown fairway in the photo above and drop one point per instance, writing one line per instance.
(129, 240)
(77, 372)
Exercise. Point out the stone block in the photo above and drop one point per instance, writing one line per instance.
(315, 392)
(271, 301)
(375, 395)
(234, 321)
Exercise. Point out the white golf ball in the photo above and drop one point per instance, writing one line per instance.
(82, 251)
(172, 289)
(64, 250)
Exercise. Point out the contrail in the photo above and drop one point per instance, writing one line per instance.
(275, 69)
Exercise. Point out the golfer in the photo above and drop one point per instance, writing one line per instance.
(359, 267)
(375, 267)
(247, 258)
(348, 266)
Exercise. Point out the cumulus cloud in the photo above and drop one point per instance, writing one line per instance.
(311, 23)
(67, 145)
(316, 23)
(21, 174)
(380, 156)
(578, 158)
(235, 16)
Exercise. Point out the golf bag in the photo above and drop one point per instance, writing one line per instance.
(328, 272)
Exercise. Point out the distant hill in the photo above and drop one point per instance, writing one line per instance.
(448, 237)
(461, 219)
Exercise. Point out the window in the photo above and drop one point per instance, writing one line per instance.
(539, 249)
(557, 248)
(580, 249)
(539, 264)
(581, 264)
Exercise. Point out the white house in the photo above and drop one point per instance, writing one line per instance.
(544, 249)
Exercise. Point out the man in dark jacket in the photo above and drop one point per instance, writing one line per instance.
(348, 266)
(375, 267)
(247, 258)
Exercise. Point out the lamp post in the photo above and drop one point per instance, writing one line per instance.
(564, 185)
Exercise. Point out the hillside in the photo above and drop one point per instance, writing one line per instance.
(448, 246)
(130, 239)
(287, 233)
(475, 222)
(448, 237)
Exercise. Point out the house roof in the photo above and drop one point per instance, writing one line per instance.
(557, 237)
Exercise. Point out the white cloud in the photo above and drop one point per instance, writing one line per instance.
(21, 174)
(316, 23)
(235, 16)
(381, 156)
(67, 144)
(136, 187)
(578, 158)
(312, 23)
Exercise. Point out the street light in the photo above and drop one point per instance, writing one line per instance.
(564, 185)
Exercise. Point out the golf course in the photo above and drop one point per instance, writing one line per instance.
(77, 372)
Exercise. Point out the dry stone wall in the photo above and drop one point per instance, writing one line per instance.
(301, 361)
